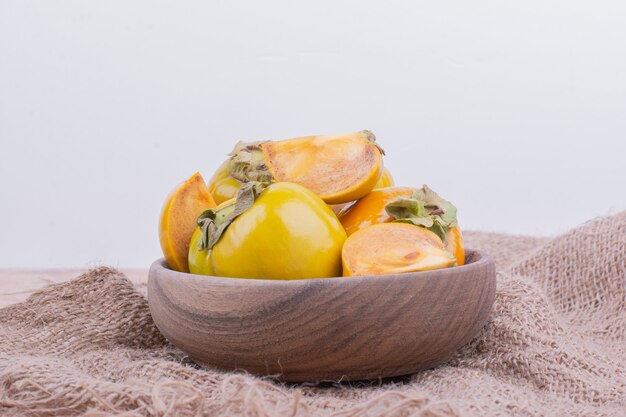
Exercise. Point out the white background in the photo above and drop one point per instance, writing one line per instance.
(515, 111)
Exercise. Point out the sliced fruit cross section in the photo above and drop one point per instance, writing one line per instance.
(338, 168)
(178, 219)
(391, 248)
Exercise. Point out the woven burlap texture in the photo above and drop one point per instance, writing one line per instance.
(554, 347)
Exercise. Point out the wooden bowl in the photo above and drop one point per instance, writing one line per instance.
(324, 329)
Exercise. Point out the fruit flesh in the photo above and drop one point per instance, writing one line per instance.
(391, 248)
(222, 186)
(178, 219)
(454, 244)
(371, 208)
(288, 233)
(338, 168)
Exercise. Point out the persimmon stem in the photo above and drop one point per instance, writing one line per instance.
(214, 222)
(425, 208)
(247, 163)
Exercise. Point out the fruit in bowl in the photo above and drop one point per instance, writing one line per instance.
(222, 186)
(309, 207)
(178, 218)
(421, 207)
(308, 263)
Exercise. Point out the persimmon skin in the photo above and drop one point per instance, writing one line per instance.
(393, 248)
(370, 209)
(177, 221)
(454, 244)
(386, 180)
(288, 233)
(222, 186)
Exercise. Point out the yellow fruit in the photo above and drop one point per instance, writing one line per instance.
(392, 248)
(200, 261)
(286, 233)
(386, 180)
(222, 186)
(178, 219)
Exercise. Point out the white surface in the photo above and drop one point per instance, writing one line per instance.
(515, 111)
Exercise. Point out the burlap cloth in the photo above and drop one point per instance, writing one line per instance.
(554, 346)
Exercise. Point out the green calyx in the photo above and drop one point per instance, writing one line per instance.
(214, 222)
(247, 163)
(426, 209)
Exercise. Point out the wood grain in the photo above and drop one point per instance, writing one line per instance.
(324, 329)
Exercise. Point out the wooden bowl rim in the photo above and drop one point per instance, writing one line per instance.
(474, 260)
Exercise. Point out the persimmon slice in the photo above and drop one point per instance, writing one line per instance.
(178, 219)
(391, 248)
(338, 168)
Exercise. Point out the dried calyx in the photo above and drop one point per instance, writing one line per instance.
(369, 136)
(213, 222)
(247, 163)
(425, 208)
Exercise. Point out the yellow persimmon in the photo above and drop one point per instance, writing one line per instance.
(284, 231)
(392, 248)
(222, 186)
(386, 180)
(338, 168)
(178, 219)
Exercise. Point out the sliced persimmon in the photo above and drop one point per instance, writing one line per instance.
(454, 244)
(338, 168)
(178, 219)
(391, 248)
